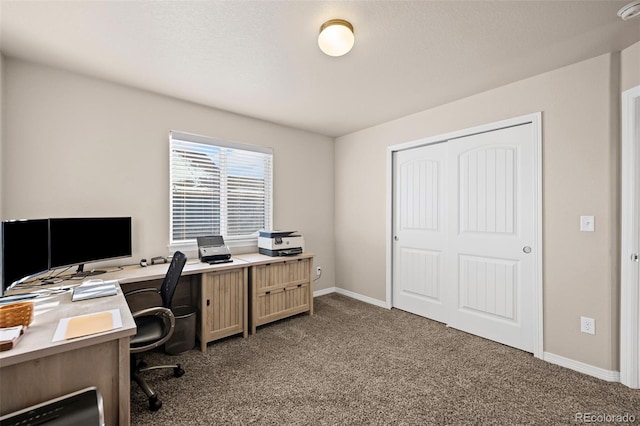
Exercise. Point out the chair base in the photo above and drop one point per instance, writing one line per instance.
(139, 366)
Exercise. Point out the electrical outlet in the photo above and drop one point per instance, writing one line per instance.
(587, 325)
(318, 271)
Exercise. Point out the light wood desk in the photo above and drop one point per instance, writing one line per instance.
(37, 370)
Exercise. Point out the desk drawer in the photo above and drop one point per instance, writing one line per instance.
(281, 274)
(281, 303)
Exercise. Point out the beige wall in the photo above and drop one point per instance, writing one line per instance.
(1, 133)
(630, 67)
(76, 146)
(580, 169)
(1, 139)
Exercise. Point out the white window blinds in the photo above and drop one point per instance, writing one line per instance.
(218, 188)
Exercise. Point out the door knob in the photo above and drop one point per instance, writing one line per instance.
(634, 257)
(526, 249)
(395, 237)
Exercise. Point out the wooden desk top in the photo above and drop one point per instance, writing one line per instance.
(135, 273)
(49, 310)
(261, 259)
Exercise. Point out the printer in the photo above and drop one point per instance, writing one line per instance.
(212, 249)
(280, 243)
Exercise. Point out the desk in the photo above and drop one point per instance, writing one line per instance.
(37, 369)
(220, 294)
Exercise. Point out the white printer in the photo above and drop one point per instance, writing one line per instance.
(280, 243)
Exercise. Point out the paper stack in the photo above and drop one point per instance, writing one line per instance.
(94, 288)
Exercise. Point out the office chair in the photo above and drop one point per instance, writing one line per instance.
(154, 327)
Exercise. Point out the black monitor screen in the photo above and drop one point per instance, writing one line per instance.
(75, 241)
(25, 249)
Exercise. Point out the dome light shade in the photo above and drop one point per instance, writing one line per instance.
(630, 11)
(336, 37)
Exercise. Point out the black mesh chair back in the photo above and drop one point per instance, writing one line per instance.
(172, 278)
(155, 326)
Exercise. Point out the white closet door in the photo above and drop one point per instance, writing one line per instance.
(464, 234)
(420, 231)
(491, 235)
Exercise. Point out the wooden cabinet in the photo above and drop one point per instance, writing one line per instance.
(222, 305)
(279, 287)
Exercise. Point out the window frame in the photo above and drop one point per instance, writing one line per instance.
(232, 240)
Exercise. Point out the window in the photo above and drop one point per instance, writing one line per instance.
(218, 188)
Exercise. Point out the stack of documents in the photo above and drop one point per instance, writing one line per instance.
(10, 336)
(94, 288)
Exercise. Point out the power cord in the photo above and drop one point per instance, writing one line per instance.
(318, 273)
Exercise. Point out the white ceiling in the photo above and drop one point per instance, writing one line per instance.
(261, 59)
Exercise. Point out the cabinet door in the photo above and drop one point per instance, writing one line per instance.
(223, 304)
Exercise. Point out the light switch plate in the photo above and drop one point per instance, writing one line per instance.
(587, 223)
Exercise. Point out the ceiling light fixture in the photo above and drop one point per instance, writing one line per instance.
(336, 37)
(629, 11)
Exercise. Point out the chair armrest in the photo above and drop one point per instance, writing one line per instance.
(142, 290)
(167, 318)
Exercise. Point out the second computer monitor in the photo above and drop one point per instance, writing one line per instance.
(76, 241)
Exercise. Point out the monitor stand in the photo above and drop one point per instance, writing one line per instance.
(81, 273)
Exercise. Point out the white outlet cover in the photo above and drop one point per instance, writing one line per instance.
(587, 223)
(587, 325)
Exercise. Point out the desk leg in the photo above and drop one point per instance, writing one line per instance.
(310, 287)
(245, 290)
(254, 300)
(203, 316)
(124, 383)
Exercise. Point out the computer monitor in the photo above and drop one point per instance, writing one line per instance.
(76, 241)
(25, 250)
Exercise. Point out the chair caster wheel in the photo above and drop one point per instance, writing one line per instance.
(178, 371)
(154, 403)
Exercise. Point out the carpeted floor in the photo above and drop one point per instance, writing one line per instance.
(354, 363)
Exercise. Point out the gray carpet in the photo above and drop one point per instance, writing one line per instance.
(354, 363)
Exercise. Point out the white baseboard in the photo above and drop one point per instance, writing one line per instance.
(350, 294)
(324, 291)
(361, 298)
(581, 367)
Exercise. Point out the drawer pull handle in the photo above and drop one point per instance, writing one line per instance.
(267, 292)
(208, 302)
(299, 285)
